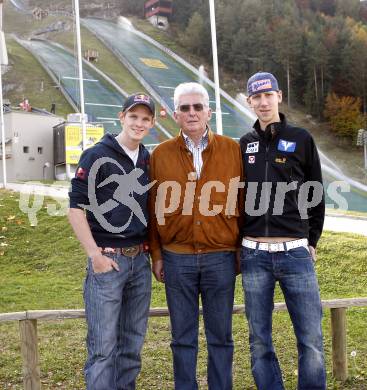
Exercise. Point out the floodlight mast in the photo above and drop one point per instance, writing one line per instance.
(80, 67)
(218, 109)
(3, 61)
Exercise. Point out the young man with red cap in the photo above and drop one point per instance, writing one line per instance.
(283, 221)
(111, 184)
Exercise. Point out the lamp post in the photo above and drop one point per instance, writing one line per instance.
(362, 141)
(45, 166)
(3, 61)
(218, 109)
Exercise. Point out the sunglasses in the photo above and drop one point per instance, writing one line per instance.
(186, 107)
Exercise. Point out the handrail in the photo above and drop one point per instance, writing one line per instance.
(29, 340)
(161, 311)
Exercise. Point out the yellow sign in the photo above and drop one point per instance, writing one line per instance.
(153, 63)
(74, 141)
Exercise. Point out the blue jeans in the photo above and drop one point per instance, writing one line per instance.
(294, 270)
(117, 308)
(211, 275)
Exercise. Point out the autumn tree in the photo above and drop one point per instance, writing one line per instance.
(344, 115)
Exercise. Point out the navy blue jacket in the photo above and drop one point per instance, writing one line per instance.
(116, 225)
(286, 154)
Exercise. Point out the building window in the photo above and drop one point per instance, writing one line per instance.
(25, 149)
(40, 150)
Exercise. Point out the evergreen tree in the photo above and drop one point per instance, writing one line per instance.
(287, 35)
(191, 38)
(355, 61)
(349, 8)
(133, 7)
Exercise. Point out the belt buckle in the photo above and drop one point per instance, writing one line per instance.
(130, 251)
(108, 250)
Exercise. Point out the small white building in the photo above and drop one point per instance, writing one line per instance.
(29, 145)
(158, 12)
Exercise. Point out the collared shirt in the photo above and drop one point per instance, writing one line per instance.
(197, 150)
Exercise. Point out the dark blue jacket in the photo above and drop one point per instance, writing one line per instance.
(113, 224)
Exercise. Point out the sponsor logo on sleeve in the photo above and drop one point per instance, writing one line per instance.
(286, 146)
(81, 173)
(252, 147)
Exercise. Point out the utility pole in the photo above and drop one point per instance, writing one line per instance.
(3, 61)
(218, 109)
(81, 79)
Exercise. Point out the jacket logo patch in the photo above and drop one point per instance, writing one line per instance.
(81, 173)
(281, 160)
(286, 146)
(251, 159)
(252, 147)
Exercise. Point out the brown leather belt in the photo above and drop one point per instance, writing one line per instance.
(129, 251)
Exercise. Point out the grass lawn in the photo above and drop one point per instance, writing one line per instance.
(43, 267)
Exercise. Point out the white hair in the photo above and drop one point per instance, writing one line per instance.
(190, 88)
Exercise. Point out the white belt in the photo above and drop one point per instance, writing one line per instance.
(276, 246)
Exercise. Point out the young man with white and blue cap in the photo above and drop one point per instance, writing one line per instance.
(284, 217)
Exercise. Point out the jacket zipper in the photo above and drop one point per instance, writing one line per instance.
(266, 186)
(266, 193)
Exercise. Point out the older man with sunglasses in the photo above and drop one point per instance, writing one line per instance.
(194, 236)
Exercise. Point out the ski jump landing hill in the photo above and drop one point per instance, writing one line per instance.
(160, 71)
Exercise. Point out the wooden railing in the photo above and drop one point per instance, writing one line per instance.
(29, 342)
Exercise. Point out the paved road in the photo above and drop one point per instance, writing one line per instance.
(345, 224)
(333, 223)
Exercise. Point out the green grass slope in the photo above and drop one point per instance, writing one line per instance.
(29, 80)
(42, 267)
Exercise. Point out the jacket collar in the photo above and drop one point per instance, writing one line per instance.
(272, 129)
(181, 142)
